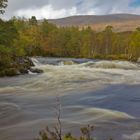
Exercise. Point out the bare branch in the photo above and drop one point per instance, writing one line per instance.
(58, 128)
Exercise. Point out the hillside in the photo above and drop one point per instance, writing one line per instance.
(120, 22)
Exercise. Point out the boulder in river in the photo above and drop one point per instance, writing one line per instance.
(35, 70)
(23, 70)
(18, 66)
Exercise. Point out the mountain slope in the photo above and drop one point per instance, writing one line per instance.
(120, 22)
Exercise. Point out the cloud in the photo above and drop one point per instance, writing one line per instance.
(46, 11)
(62, 8)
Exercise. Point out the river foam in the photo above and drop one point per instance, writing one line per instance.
(104, 93)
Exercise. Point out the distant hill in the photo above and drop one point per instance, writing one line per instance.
(120, 22)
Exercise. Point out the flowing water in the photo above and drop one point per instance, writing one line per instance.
(105, 94)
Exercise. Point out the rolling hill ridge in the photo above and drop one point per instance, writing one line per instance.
(120, 22)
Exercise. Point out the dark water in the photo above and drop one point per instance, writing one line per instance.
(102, 93)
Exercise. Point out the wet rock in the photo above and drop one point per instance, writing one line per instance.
(29, 62)
(35, 70)
(67, 63)
(23, 71)
(18, 67)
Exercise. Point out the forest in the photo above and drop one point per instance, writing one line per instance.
(23, 37)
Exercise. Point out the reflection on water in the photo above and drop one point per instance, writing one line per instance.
(102, 93)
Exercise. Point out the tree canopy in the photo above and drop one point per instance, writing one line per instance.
(3, 5)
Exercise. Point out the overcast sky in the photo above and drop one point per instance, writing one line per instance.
(62, 8)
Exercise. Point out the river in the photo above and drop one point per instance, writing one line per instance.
(105, 94)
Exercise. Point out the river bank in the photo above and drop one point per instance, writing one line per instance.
(18, 66)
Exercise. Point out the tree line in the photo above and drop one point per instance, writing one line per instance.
(22, 37)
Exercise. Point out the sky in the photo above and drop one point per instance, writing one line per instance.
(52, 9)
